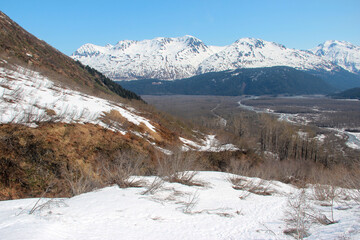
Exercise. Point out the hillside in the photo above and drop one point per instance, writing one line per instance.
(20, 47)
(353, 93)
(251, 81)
(63, 123)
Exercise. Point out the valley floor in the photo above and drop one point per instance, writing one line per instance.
(216, 210)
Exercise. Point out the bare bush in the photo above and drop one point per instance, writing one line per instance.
(154, 186)
(80, 181)
(179, 167)
(123, 169)
(38, 207)
(297, 220)
(191, 203)
(352, 182)
(261, 187)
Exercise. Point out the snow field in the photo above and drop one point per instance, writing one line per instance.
(174, 211)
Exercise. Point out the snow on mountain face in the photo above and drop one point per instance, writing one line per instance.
(341, 53)
(175, 58)
(253, 53)
(164, 58)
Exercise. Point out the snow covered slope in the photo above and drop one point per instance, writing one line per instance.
(27, 97)
(176, 58)
(341, 53)
(254, 53)
(215, 210)
(165, 58)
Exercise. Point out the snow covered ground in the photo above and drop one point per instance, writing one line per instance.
(213, 211)
(353, 138)
(27, 97)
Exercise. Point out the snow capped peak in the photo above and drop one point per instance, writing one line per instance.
(253, 53)
(89, 49)
(162, 57)
(342, 53)
(257, 43)
(333, 43)
(181, 57)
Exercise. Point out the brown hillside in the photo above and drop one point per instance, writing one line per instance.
(16, 44)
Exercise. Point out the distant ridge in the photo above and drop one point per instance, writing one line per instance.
(250, 81)
(353, 93)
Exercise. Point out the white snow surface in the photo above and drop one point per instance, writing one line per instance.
(213, 211)
(164, 58)
(341, 53)
(209, 144)
(26, 95)
(255, 53)
(181, 57)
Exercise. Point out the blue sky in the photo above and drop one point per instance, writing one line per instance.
(301, 24)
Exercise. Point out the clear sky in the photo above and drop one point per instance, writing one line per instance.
(301, 24)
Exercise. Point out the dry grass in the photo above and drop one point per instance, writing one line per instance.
(154, 186)
(73, 154)
(261, 187)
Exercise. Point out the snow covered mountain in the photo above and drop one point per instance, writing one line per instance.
(254, 53)
(182, 57)
(164, 58)
(341, 53)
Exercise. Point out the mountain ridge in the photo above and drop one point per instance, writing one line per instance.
(187, 56)
(247, 81)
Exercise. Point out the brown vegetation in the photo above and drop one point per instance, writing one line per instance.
(60, 155)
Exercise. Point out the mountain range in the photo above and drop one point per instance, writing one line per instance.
(187, 56)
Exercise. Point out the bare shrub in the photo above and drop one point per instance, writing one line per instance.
(154, 186)
(123, 169)
(352, 182)
(48, 205)
(80, 181)
(260, 188)
(297, 220)
(179, 167)
(191, 203)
